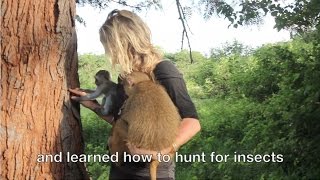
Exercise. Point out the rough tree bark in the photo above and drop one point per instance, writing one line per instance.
(38, 65)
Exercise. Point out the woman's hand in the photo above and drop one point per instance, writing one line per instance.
(139, 151)
(91, 104)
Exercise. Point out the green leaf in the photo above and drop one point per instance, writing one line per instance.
(274, 13)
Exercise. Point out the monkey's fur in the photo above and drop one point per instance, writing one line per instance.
(149, 119)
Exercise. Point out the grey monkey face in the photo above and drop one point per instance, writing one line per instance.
(97, 80)
(102, 76)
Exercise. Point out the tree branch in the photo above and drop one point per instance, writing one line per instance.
(182, 39)
(124, 3)
(184, 21)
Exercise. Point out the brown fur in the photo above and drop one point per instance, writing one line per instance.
(149, 119)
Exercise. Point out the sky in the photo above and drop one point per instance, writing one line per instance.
(166, 30)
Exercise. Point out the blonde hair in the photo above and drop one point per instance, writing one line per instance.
(127, 40)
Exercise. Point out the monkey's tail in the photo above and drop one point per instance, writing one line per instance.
(153, 169)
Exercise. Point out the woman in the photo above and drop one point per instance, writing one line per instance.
(126, 39)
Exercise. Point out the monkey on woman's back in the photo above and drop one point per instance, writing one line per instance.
(149, 119)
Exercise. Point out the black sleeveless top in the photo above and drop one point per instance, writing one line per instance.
(168, 76)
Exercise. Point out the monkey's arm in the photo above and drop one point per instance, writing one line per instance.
(93, 95)
(91, 104)
(87, 90)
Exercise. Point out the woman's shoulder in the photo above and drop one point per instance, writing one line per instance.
(166, 69)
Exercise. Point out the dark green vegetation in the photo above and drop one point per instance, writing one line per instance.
(260, 101)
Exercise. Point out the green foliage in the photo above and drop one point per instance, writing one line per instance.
(89, 65)
(96, 133)
(258, 104)
(228, 49)
(299, 15)
(219, 76)
(183, 56)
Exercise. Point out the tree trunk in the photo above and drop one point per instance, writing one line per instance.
(38, 64)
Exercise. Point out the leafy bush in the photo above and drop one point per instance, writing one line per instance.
(258, 104)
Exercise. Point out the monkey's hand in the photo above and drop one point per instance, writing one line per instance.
(91, 104)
